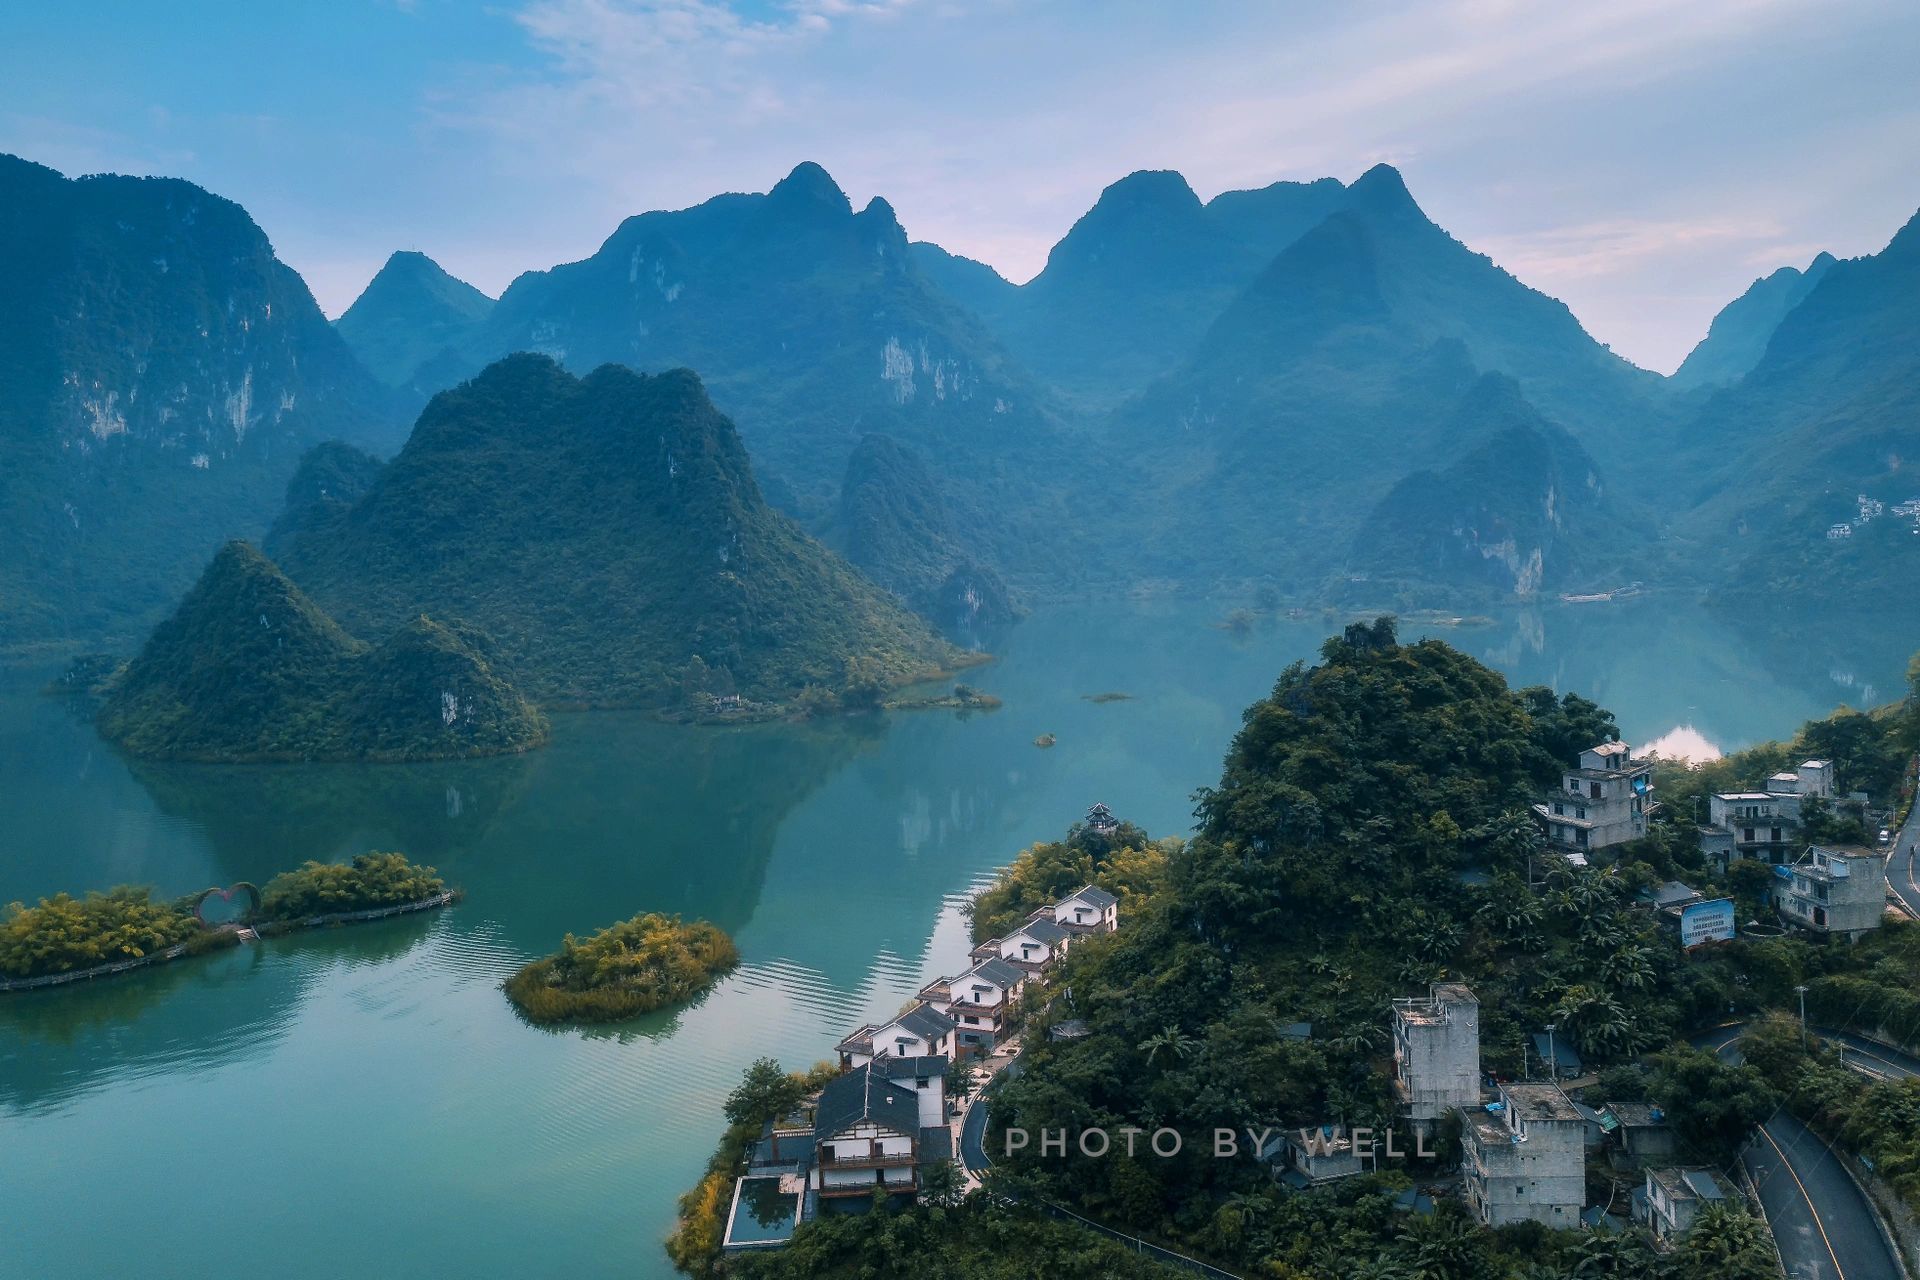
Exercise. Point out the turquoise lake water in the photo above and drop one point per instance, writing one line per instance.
(364, 1102)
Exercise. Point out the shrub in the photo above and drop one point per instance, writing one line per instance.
(64, 933)
(326, 888)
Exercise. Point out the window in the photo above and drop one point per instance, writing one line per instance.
(1776, 835)
(1559, 810)
(1593, 791)
(1747, 834)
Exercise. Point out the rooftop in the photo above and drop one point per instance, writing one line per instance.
(865, 1094)
(994, 970)
(1691, 1184)
(1041, 931)
(1637, 1115)
(924, 1067)
(1539, 1102)
(1092, 895)
(924, 1021)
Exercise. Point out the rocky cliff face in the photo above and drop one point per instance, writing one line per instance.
(160, 374)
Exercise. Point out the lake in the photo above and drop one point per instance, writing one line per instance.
(363, 1101)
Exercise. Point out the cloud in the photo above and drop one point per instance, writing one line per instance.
(1606, 248)
(1565, 140)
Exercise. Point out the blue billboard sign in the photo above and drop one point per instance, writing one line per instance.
(1704, 922)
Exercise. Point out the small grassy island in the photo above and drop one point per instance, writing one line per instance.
(64, 937)
(627, 969)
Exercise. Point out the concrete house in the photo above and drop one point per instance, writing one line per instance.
(1523, 1158)
(1841, 891)
(1750, 824)
(1605, 801)
(1089, 909)
(1673, 1198)
(867, 1134)
(1323, 1153)
(1436, 1051)
(1642, 1131)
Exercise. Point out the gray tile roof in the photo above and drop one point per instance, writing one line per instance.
(1042, 931)
(1093, 896)
(936, 1144)
(865, 1094)
(924, 1067)
(996, 971)
(924, 1021)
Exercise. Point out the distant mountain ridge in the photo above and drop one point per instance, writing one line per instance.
(1136, 281)
(1739, 334)
(410, 313)
(608, 534)
(808, 322)
(1521, 511)
(160, 374)
(1819, 434)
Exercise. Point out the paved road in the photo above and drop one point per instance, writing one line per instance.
(1821, 1220)
(1900, 868)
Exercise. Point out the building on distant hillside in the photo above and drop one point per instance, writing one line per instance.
(1524, 1157)
(1605, 801)
(1764, 824)
(1436, 1051)
(1321, 1153)
(1750, 824)
(1672, 1198)
(866, 1134)
(1840, 891)
(1101, 822)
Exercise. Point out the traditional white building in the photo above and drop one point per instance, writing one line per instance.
(979, 1001)
(867, 1134)
(921, 1031)
(1088, 909)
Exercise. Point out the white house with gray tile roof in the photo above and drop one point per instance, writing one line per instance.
(979, 1001)
(1088, 909)
(1032, 946)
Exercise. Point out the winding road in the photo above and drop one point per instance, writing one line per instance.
(1821, 1219)
(1900, 868)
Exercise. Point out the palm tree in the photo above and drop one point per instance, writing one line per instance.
(1171, 1040)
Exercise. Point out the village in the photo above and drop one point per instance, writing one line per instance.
(891, 1122)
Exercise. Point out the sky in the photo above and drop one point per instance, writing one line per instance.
(1642, 160)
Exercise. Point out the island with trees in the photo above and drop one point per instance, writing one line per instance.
(63, 939)
(650, 962)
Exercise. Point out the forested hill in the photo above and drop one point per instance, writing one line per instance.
(161, 371)
(608, 533)
(249, 669)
